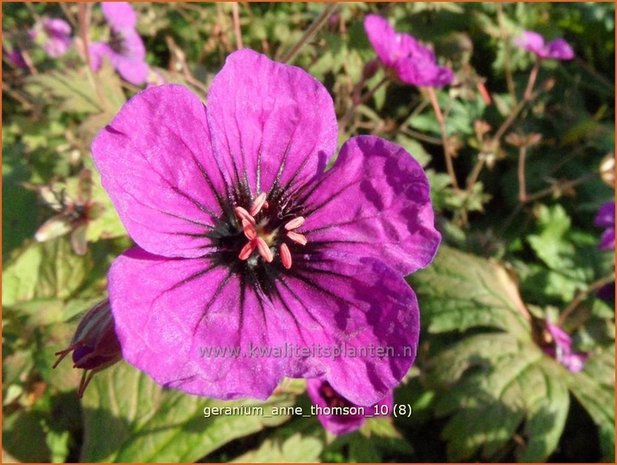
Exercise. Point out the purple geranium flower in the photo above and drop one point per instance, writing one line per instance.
(606, 219)
(561, 349)
(410, 61)
(533, 42)
(252, 263)
(54, 34)
(337, 414)
(124, 49)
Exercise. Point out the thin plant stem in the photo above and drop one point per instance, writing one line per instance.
(528, 96)
(543, 193)
(360, 101)
(421, 136)
(16, 96)
(84, 10)
(506, 61)
(292, 53)
(444, 136)
(522, 192)
(533, 76)
(237, 31)
(582, 295)
(560, 186)
(475, 173)
(68, 14)
(35, 15)
(29, 62)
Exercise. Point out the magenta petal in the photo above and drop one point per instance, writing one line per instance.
(607, 240)
(165, 324)
(355, 304)
(606, 215)
(97, 51)
(130, 61)
(423, 73)
(119, 15)
(134, 71)
(575, 362)
(58, 36)
(182, 323)
(384, 39)
(605, 218)
(374, 201)
(270, 121)
(133, 45)
(412, 62)
(156, 165)
(531, 41)
(561, 338)
(559, 49)
(324, 397)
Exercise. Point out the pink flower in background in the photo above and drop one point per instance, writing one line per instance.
(124, 49)
(412, 62)
(561, 349)
(246, 244)
(53, 34)
(15, 57)
(327, 399)
(533, 42)
(606, 219)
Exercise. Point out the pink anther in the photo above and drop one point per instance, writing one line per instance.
(258, 204)
(295, 223)
(242, 214)
(285, 256)
(247, 250)
(249, 230)
(263, 249)
(297, 237)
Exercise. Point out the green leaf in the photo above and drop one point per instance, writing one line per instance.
(111, 96)
(19, 221)
(510, 382)
(69, 87)
(598, 399)
(129, 418)
(296, 448)
(461, 291)
(43, 270)
(23, 436)
(546, 418)
(107, 225)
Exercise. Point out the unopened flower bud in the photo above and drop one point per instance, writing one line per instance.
(95, 345)
(523, 140)
(370, 69)
(548, 85)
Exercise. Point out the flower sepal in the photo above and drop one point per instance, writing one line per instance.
(95, 345)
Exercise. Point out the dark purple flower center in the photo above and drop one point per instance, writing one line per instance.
(117, 42)
(257, 237)
(332, 398)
